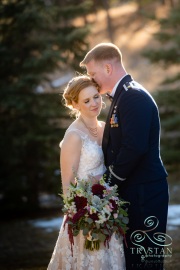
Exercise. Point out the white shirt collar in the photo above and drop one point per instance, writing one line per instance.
(115, 87)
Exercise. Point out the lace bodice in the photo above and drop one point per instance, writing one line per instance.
(91, 159)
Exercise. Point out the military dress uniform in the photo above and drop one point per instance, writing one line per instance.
(131, 150)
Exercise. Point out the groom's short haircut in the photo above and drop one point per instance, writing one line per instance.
(103, 51)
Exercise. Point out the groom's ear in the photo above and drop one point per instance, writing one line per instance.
(108, 68)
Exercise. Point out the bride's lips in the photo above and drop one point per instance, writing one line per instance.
(95, 109)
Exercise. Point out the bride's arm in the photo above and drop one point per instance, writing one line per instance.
(69, 158)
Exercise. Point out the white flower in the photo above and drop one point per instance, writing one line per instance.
(92, 210)
(80, 192)
(102, 218)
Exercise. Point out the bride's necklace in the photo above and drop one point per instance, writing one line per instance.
(92, 131)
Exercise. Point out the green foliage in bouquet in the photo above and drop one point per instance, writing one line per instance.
(96, 211)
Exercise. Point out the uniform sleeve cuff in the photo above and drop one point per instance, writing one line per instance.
(116, 176)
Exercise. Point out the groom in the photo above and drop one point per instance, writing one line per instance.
(131, 152)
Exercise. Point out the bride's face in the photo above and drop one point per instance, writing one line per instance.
(89, 102)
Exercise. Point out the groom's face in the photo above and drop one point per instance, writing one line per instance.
(99, 72)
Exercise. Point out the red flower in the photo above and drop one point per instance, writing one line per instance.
(80, 202)
(98, 190)
(114, 204)
(94, 216)
(78, 215)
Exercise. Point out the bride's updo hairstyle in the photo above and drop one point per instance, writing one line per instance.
(72, 90)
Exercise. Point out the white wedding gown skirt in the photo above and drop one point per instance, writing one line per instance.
(112, 258)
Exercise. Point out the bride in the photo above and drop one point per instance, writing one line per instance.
(81, 152)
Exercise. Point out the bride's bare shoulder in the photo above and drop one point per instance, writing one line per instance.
(71, 137)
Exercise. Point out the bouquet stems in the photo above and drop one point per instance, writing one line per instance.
(92, 245)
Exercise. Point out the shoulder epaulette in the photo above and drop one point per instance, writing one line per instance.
(126, 86)
(131, 85)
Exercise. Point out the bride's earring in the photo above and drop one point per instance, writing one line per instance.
(103, 105)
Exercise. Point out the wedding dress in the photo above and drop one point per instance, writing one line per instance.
(112, 258)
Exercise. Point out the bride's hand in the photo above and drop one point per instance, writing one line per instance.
(95, 178)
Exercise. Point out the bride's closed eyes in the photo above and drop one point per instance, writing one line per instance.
(95, 97)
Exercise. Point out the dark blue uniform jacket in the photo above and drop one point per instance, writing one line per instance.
(131, 140)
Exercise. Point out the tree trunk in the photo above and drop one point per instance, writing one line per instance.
(170, 1)
(109, 25)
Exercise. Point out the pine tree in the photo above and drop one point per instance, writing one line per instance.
(36, 37)
(168, 100)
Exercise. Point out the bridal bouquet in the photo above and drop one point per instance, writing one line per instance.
(96, 210)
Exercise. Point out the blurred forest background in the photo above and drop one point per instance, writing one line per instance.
(41, 45)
